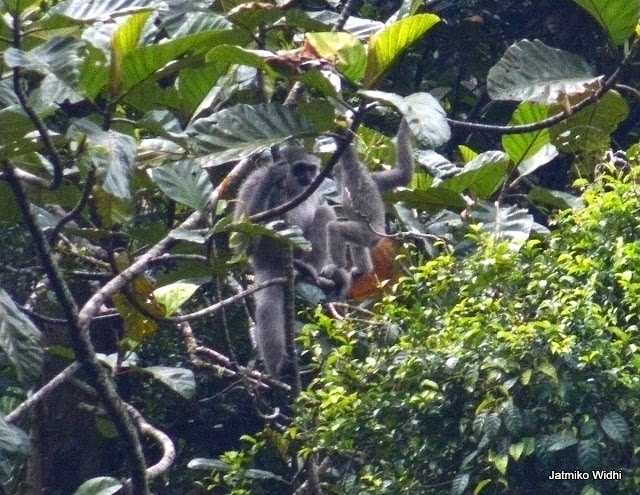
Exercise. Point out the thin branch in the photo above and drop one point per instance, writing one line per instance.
(81, 341)
(28, 178)
(17, 414)
(54, 157)
(348, 9)
(84, 200)
(214, 308)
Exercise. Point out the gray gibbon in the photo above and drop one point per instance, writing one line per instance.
(291, 172)
(361, 196)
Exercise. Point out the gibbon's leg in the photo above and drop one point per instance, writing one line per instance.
(270, 321)
(357, 234)
(361, 259)
(317, 236)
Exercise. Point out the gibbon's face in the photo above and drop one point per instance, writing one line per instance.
(304, 173)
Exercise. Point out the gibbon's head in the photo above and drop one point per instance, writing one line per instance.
(304, 166)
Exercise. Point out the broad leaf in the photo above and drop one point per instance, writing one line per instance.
(521, 146)
(590, 129)
(173, 296)
(124, 41)
(431, 199)
(99, 486)
(503, 222)
(180, 380)
(343, 48)
(21, 340)
(389, 43)
(533, 162)
(240, 131)
(618, 17)
(12, 439)
(426, 117)
(460, 484)
(588, 455)
(183, 181)
(482, 175)
(112, 153)
(533, 71)
(85, 11)
(555, 199)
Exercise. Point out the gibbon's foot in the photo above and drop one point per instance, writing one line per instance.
(340, 277)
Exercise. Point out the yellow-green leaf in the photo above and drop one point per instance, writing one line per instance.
(390, 42)
(173, 296)
(343, 49)
(124, 41)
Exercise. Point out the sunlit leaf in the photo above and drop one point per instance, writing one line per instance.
(343, 49)
(173, 296)
(482, 175)
(521, 146)
(533, 71)
(392, 41)
(618, 17)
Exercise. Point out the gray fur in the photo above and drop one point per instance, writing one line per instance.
(361, 196)
(264, 189)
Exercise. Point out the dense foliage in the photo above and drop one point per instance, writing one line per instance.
(504, 347)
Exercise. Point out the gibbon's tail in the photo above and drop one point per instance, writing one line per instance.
(269, 331)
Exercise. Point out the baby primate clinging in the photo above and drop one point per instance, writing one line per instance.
(290, 174)
(361, 194)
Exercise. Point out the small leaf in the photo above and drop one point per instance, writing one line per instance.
(173, 296)
(615, 427)
(561, 441)
(12, 439)
(501, 462)
(99, 486)
(480, 486)
(516, 450)
(21, 340)
(209, 465)
(460, 483)
(180, 380)
(548, 369)
(588, 455)
(389, 43)
(533, 71)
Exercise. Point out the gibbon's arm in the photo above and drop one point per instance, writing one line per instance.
(388, 180)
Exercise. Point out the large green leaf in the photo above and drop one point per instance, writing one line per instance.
(521, 146)
(239, 131)
(590, 129)
(183, 181)
(21, 340)
(503, 222)
(430, 199)
(555, 199)
(180, 380)
(89, 11)
(618, 17)
(426, 117)
(343, 48)
(533, 71)
(112, 153)
(390, 42)
(124, 41)
(482, 175)
(103, 485)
